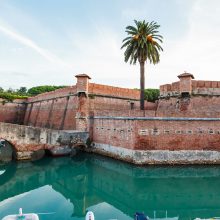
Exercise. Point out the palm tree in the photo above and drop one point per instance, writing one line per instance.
(142, 45)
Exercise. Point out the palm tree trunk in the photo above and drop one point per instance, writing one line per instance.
(142, 85)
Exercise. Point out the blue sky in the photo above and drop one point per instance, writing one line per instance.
(49, 41)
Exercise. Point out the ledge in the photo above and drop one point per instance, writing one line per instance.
(155, 118)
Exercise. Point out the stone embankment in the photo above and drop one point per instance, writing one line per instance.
(29, 142)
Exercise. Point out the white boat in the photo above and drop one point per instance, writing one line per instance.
(21, 216)
(90, 216)
(213, 218)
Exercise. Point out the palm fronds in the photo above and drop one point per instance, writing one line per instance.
(142, 42)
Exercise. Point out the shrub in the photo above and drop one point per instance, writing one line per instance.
(42, 89)
(10, 96)
(151, 95)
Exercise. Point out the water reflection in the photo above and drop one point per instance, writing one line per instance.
(113, 190)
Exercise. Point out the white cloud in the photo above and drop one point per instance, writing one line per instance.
(31, 44)
(98, 53)
(198, 51)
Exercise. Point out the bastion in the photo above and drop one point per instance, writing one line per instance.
(182, 127)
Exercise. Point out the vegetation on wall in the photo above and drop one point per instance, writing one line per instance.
(151, 95)
(11, 96)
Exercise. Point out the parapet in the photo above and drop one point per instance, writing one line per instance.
(113, 91)
(70, 90)
(84, 86)
(187, 86)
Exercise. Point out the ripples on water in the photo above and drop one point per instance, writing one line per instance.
(67, 187)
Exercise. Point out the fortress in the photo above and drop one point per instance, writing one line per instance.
(182, 127)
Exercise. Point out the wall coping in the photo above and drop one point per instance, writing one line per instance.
(75, 94)
(155, 118)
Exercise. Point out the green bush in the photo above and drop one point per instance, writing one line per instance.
(151, 95)
(22, 93)
(11, 96)
(42, 89)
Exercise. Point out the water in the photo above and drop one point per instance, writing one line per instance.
(67, 187)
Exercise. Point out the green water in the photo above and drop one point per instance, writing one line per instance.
(67, 187)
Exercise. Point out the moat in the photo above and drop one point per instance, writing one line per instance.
(67, 187)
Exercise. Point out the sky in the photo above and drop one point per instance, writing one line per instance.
(48, 42)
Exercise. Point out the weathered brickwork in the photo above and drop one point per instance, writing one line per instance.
(198, 87)
(186, 117)
(26, 140)
(61, 108)
(12, 112)
(195, 106)
(113, 91)
(157, 134)
(54, 110)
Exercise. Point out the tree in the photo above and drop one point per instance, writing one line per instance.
(151, 95)
(42, 89)
(10, 90)
(22, 90)
(142, 45)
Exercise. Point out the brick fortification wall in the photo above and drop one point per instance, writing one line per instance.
(199, 87)
(58, 109)
(55, 110)
(203, 99)
(145, 140)
(12, 112)
(186, 118)
(157, 134)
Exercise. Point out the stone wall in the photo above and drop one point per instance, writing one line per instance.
(26, 140)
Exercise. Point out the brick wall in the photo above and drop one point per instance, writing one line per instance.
(157, 135)
(113, 91)
(195, 106)
(68, 109)
(54, 94)
(55, 109)
(12, 112)
(58, 109)
(55, 113)
(199, 87)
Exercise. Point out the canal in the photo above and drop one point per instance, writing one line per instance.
(65, 188)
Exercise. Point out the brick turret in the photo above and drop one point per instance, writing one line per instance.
(82, 83)
(185, 83)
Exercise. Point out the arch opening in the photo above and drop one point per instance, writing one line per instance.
(7, 151)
